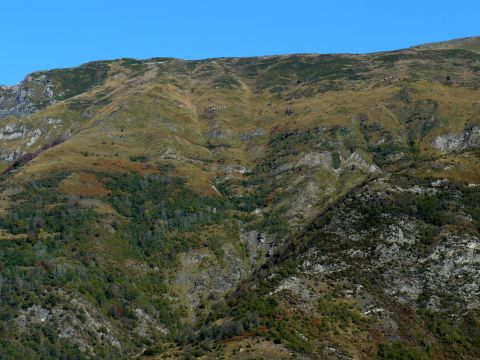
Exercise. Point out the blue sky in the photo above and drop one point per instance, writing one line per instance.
(46, 34)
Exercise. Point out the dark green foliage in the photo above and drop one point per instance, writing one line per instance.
(226, 82)
(139, 158)
(255, 312)
(73, 81)
(79, 105)
(324, 67)
(399, 351)
(471, 198)
(448, 54)
(430, 208)
(31, 265)
(336, 161)
(339, 314)
(38, 207)
(393, 57)
(382, 153)
(138, 67)
(156, 205)
(433, 208)
(462, 336)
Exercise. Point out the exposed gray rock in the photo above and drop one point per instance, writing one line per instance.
(146, 323)
(324, 160)
(252, 134)
(12, 132)
(470, 138)
(76, 328)
(25, 98)
(10, 155)
(356, 160)
(34, 136)
(450, 270)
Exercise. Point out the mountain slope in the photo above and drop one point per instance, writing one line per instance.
(318, 206)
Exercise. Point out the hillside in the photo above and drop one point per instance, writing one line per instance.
(297, 206)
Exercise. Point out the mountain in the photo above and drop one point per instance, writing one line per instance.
(297, 206)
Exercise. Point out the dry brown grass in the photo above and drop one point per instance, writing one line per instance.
(83, 184)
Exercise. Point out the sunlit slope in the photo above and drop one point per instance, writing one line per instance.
(137, 196)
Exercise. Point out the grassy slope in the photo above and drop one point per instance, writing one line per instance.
(234, 135)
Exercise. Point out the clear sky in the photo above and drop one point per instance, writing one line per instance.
(45, 34)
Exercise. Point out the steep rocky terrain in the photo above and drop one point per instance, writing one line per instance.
(301, 206)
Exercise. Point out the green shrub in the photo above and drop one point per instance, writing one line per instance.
(396, 350)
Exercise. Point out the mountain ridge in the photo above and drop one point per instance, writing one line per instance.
(300, 206)
(453, 41)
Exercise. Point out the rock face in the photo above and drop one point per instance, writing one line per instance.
(469, 139)
(25, 98)
(382, 254)
(393, 247)
(77, 329)
(12, 131)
